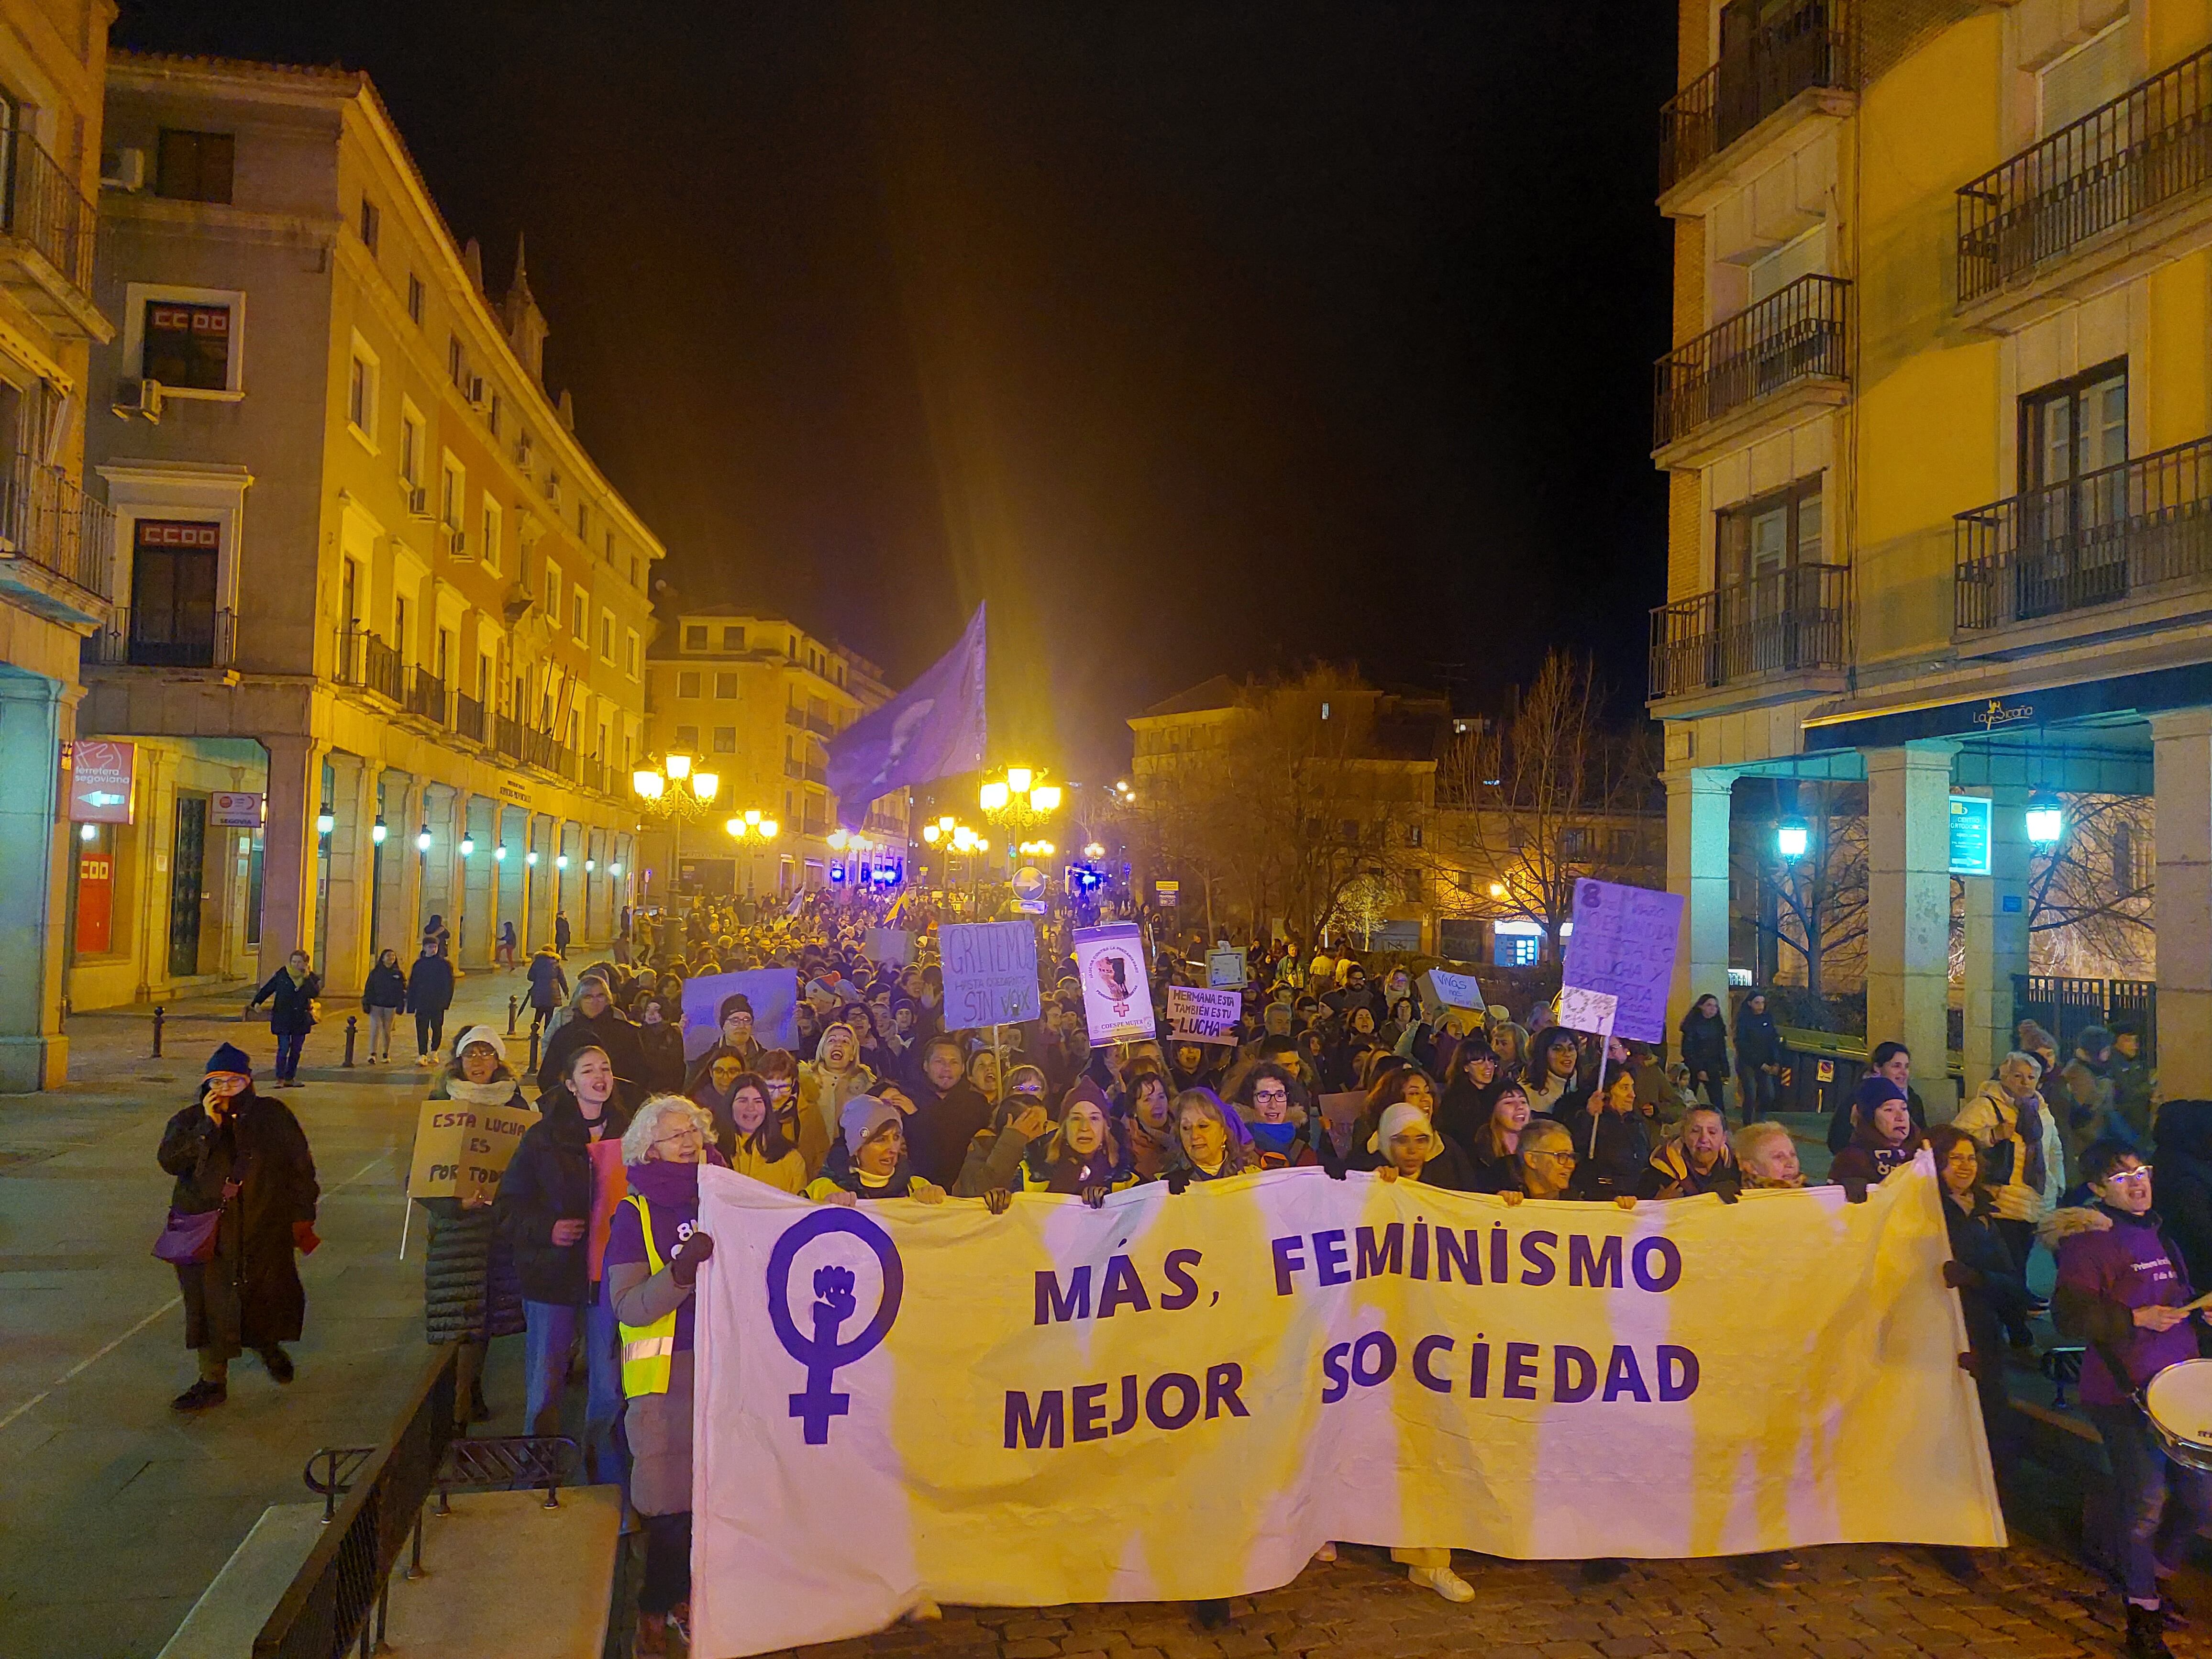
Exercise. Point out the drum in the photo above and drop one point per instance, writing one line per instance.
(2179, 1402)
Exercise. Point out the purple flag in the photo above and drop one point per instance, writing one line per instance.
(933, 729)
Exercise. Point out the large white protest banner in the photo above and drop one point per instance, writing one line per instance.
(1183, 1396)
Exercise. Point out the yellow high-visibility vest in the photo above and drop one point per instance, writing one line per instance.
(647, 1350)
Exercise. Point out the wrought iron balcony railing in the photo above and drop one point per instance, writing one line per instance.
(1796, 334)
(46, 517)
(1806, 46)
(2148, 147)
(2092, 541)
(425, 696)
(137, 639)
(365, 662)
(44, 210)
(469, 717)
(1783, 622)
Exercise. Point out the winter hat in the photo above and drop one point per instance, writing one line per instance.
(484, 1034)
(1873, 1090)
(864, 1115)
(737, 1003)
(230, 1058)
(1400, 1117)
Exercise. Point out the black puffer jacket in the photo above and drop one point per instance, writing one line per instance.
(611, 1031)
(550, 1181)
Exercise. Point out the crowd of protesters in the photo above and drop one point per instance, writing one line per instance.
(866, 1095)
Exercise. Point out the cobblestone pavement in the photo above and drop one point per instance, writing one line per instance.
(2029, 1602)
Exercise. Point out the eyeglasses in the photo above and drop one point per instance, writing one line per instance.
(1546, 1151)
(1259, 1095)
(688, 1131)
(2130, 1177)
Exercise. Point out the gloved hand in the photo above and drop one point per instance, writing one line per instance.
(1178, 1180)
(1335, 1171)
(1855, 1192)
(1094, 1198)
(683, 1260)
(1959, 1276)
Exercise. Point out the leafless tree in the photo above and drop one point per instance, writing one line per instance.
(1819, 911)
(2089, 897)
(1556, 793)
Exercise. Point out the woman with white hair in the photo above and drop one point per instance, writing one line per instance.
(655, 1248)
(470, 1290)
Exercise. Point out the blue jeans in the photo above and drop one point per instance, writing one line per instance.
(288, 1054)
(549, 1327)
(2157, 1504)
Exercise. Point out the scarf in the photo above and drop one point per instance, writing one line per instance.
(484, 1096)
(298, 978)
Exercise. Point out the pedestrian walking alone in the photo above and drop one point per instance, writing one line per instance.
(290, 993)
(507, 945)
(429, 993)
(243, 1157)
(1758, 1057)
(561, 934)
(548, 986)
(382, 998)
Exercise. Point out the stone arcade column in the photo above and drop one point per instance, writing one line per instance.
(352, 879)
(512, 831)
(480, 900)
(1996, 937)
(289, 849)
(1909, 910)
(33, 853)
(1698, 868)
(2181, 750)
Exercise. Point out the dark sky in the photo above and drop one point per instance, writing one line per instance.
(1194, 338)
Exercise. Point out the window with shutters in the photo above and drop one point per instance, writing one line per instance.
(726, 686)
(687, 684)
(189, 345)
(195, 167)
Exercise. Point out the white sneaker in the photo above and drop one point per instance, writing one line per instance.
(1325, 1553)
(1444, 1581)
(923, 1610)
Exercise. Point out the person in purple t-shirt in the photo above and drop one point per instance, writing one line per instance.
(2122, 1291)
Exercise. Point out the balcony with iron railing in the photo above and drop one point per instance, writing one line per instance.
(820, 724)
(165, 639)
(794, 768)
(507, 735)
(56, 543)
(2132, 543)
(595, 773)
(817, 773)
(46, 239)
(814, 826)
(1763, 366)
(368, 663)
(1789, 621)
(469, 717)
(1797, 66)
(794, 716)
(2098, 201)
(426, 697)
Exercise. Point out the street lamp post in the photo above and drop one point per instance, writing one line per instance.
(674, 790)
(751, 825)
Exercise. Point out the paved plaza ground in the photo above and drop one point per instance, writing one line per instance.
(115, 1513)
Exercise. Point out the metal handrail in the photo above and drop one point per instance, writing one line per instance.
(343, 1586)
(1786, 621)
(1810, 46)
(468, 717)
(45, 212)
(2145, 148)
(1796, 333)
(425, 696)
(2089, 541)
(132, 640)
(47, 517)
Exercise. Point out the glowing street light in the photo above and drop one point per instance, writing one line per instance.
(377, 832)
(993, 795)
(325, 823)
(2046, 821)
(1791, 838)
(422, 838)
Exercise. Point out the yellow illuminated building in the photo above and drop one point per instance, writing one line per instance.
(1936, 425)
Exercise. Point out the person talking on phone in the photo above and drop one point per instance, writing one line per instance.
(244, 1158)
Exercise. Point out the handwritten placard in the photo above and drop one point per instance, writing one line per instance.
(1198, 1015)
(462, 1151)
(1624, 945)
(990, 973)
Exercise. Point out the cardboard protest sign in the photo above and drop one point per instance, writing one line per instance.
(889, 947)
(1204, 1016)
(886, 1394)
(462, 1151)
(1624, 945)
(1118, 996)
(1441, 990)
(774, 993)
(1227, 969)
(990, 973)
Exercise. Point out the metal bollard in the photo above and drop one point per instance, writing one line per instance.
(514, 1012)
(353, 1027)
(158, 1017)
(533, 1050)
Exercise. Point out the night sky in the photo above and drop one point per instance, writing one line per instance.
(1196, 338)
